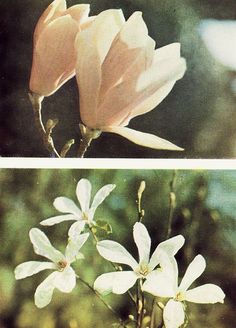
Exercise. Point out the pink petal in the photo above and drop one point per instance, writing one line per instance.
(124, 51)
(92, 46)
(54, 56)
(130, 98)
(54, 10)
(141, 138)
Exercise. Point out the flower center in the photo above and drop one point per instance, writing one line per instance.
(84, 216)
(61, 265)
(180, 296)
(143, 269)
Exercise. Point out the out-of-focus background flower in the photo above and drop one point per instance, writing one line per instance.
(199, 114)
(205, 215)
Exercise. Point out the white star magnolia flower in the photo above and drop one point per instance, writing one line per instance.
(83, 215)
(63, 278)
(164, 283)
(119, 282)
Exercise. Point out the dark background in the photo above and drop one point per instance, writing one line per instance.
(199, 114)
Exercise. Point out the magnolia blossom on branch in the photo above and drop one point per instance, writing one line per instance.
(63, 278)
(119, 282)
(54, 56)
(120, 75)
(83, 215)
(164, 283)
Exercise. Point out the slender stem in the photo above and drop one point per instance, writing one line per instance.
(172, 199)
(140, 304)
(153, 321)
(84, 144)
(108, 306)
(36, 102)
(93, 234)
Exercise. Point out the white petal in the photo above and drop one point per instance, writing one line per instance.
(141, 138)
(65, 281)
(58, 219)
(194, 270)
(169, 268)
(76, 229)
(83, 192)
(173, 314)
(169, 247)
(42, 246)
(44, 291)
(74, 245)
(27, 269)
(208, 293)
(143, 242)
(100, 197)
(115, 282)
(66, 205)
(116, 253)
(159, 284)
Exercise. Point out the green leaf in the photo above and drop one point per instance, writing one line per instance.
(101, 228)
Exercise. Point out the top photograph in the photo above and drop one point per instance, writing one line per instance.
(118, 79)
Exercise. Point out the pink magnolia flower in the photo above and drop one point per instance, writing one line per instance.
(120, 75)
(54, 55)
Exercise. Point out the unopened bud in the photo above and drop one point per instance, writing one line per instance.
(141, 188)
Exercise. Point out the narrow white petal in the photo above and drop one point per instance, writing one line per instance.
(58, 219)
(76, 229)
(173, 314)
(66, 205)
(83, 193)
(27, 269)
(141, 138)
(100, 197)
(44, 292)
(194, 270)
(115, 282)
(159, 284)
(65, 281)
(143, 242)
(74, 245)
(208, 293)
(116, 253)
(43, 247)
(169, 247)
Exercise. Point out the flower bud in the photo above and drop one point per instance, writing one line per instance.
(54, 55)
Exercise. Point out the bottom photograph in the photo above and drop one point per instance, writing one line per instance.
(117, 248)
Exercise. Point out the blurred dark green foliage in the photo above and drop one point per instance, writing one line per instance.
(198, 114)
(27, 197)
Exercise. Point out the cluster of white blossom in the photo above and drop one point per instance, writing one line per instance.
(158, 272)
